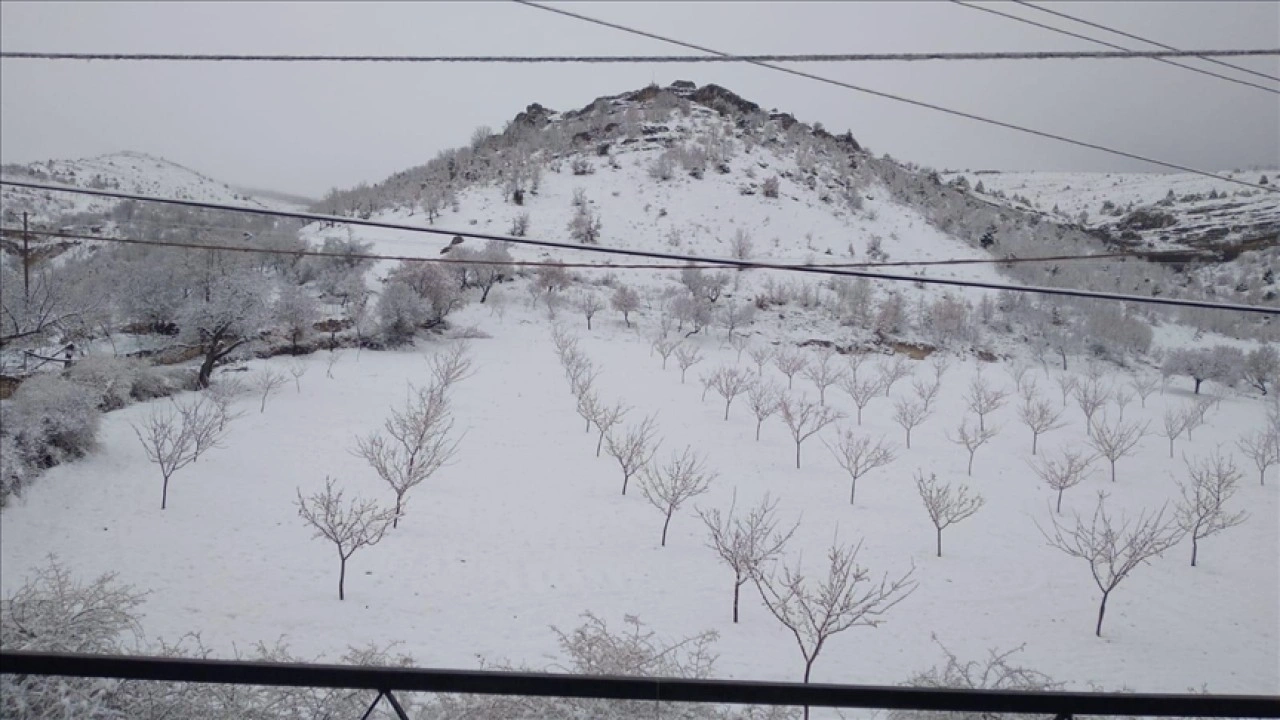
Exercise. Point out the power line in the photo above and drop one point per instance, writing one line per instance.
(899, 98)
(654, 255)
(600, 59)
(1131, 36)
(1172, 255)
(1104, 43)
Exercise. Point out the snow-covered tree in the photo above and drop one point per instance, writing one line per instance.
(670, 485)
(761, 355)
(730, 382)
(789, 362)
(1262, 446)
(1144, 386)
(1115, 441)
(1040, 417)
(297, 369)
(763, 398)
(823, 373)
(414, 443)
(1221, 363)
(946, 505)
(1201, 511)
(1091, 395)
(805, 419)
(983, 399)
(734, 315)
(892, 370)
(1063, 473)
(585, 226)
(626, 301)
(349, 526)
(972, 438)
(745, 544)
(605, 418)
(686, 357)
(861, 390)
(909, 414)
(1262, 366)
(1113, 549)
(266, 383)
(588, 303)
(175, 435)
(859, 455)
(847, 596)
(665, 346)
(229, 315)
(297, 312)
(633, 449)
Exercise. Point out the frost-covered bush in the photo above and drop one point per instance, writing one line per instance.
(52, 420)
(400, 311)
(14, 472)
(438, 290)
(112, 377)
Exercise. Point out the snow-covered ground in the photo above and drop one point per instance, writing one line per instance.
(527, 528)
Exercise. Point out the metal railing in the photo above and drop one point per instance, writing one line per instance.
(385, 681)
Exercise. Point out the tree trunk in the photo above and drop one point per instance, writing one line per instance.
(971, 452)
(939, 542)
(1198, 381)
(859, 414)
(737, 585)
(1034, 437)
(395, 522)
(822, 395)
(1059, 508)
(164, 494)
(625, 479)
(726, 408)
(625, 318)
(982, 422)
(853, 488)
(588, 323)
(342, 576)
(1102, 610)
(1113, 471)
(484, 295)
(908, 438)
(599, 442)
(758, 424)
(588, 425)
(1195, 547)
(1171, 446)
(797, 454)
(664, 528)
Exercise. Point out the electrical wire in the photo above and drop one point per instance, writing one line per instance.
(601, 59)
(899, 98)
(655, 255)
(1131, 36)
(1104, 43)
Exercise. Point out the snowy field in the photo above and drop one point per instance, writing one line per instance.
(528, 529)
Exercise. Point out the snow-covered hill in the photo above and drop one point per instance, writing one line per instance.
(128, 172)
(1162, 211)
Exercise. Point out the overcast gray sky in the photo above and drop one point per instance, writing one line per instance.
(304, 128)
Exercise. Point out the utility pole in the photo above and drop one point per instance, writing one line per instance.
(26, 260)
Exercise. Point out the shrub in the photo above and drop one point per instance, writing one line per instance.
(770, 187)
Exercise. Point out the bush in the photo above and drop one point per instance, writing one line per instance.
(770, 188)
(112, 377)
(52, 420)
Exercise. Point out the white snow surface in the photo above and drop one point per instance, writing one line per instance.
(528, 529)
(127, 172)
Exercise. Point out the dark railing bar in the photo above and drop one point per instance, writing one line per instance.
(491, 682)
(395, 705)
(369, 713)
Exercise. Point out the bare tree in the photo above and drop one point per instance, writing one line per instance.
(730, 382)
(940, 364)
(330, 360)
(909, 414)
(746, 544)
(588, 406)
(297, 369)
(1019, 372)
(859, 455)
(1175, 421)
(981, 398)
(1200, 512)
(972, 438)
(927, 391)
(862, 391)
(349, 526)
(761, 355)
(606, 417)
(891, 371)
(1115, 441)
(1091, 396)
(452, 365)
(222, 394)
(1263, 448)
(588, 303)
(413, 445)
(804, 419)
(267, 383)
(1144, 386)
(1067, 384)
(626, 301)
(173, 437)
(664, 347)
(1113, 550)
(687, 356)
(946, 506)
(1122, 399)
(846, 597)
(1065, 473)
(633, 449)
(823, 374)
(1040, 417)
(669, 486)
(708, 381)
(733, 316)
(789, 362)
(763, 398)
(1197, 413)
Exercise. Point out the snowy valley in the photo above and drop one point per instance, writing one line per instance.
(959, 443)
